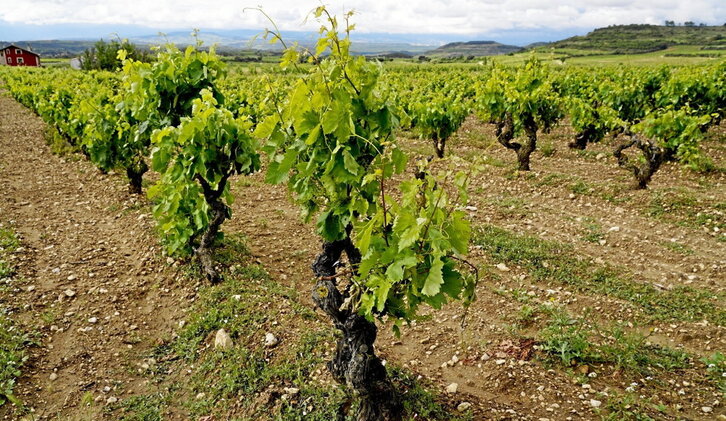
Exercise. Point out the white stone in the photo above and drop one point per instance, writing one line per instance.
(271, 340)
(452, 388)
(291, 390)
(53, 376)
(502, 267)
(706, 409)
(595, 403)
(69, 293)
(463, 406)
(222, 340)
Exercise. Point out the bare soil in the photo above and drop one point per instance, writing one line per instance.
(82, 232)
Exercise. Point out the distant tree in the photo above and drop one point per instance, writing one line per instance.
(689, 23)
(104, 55)
(701, 24)
(670, 23)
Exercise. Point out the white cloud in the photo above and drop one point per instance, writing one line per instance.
(430, 16)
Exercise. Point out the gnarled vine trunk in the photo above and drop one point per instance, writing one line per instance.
(589, 134)
(654, 156)
(218, 214)
(439, 145)
(135, 173)
(505, 135)
(355, 363)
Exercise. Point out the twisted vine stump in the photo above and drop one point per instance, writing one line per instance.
(643, 171)
(218, 214)
(355, 363)
(505, 136)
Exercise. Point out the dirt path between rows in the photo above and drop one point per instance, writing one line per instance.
(90, 281)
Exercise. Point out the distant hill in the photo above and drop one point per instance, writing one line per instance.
(229, 42)
(53, 48)
(634, 39)
(472, 48)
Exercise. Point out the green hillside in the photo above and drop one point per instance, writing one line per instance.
(635, 39)
(472, 48)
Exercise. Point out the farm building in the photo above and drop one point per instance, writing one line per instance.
(12, 55)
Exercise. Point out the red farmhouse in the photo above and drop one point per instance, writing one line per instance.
(13, 55)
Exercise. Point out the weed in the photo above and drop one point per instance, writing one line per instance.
(592, 231)
(623, 407)
(547, 149)
(143, 407)
(716, 369)
(567, 338)
(12, 358)
(678, 248)
(581, 187)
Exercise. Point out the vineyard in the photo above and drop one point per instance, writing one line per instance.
(336, 238)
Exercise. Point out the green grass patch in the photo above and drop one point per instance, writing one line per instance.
(716, 369)
(12, 357)
(12, 340)
(685, 210)
(592, 231)
(581, 187)
(143, 408)
(619, 407)
(557, 263)
(8, 243)
(579, 340)
(248, 380)
(678, 248)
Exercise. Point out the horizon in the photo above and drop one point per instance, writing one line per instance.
(428, 22)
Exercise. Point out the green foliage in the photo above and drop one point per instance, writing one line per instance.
(150, 96)
(196, 159)
(679, 133)
(333, 142)
(525, 94)
(104, 55)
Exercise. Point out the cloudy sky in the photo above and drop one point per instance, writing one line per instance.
(467, 18)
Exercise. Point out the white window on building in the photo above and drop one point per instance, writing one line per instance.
(20, 60)
(18, 52)
(7, 51)
(10, 60)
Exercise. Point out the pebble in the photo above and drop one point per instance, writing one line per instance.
(222, 340)
(452, 388)
(69, 293)
(53, 376)
(271, 340)
(463, 406)
(502, 267)
(111, 400)
(595, 403)
(707, 409)
(93, 320)
(291, 390)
